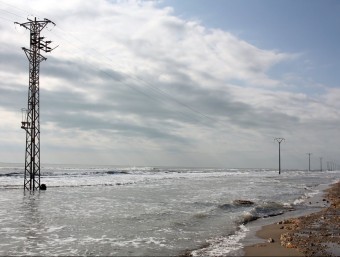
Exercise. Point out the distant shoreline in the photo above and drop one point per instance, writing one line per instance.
(316, 234)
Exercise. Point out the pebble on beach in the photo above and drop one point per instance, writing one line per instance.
(317, 234)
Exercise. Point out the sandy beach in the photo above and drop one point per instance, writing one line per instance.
(317, 234)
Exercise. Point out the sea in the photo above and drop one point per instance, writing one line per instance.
(146, 211)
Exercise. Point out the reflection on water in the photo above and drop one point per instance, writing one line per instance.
(32, 223)
(27, 228)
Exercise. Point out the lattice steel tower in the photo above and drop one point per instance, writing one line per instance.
(31, 115)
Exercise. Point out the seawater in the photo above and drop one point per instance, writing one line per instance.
(138, 211)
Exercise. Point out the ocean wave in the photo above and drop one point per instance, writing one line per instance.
(55, 171)
(84, 173)
(247, 217)
(260, 210)
(224, 245)
(12, 174)
(246, 211)
(269, 209)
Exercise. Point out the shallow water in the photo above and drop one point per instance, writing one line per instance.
(143, 211)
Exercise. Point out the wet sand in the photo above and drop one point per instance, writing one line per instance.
(317, 234)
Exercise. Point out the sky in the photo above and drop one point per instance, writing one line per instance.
(192, 83)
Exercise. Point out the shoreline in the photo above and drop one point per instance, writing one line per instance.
(315, 234)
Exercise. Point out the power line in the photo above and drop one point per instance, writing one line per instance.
(2, 10)
(149, 90)
(14, 7)
(156, 90)
(143, 93)
(150, 86)
(6, 19)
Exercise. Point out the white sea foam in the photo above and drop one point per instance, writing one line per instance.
(299, 201)
(223, 246)
(54, 229)
(312, 193)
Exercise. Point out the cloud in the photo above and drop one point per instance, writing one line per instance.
(132, 77)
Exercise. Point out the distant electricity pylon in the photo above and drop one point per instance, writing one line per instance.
(31, 115)
(309, 154)
(279, 140)
(331, 166)
(320, 163)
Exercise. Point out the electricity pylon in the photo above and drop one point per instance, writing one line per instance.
(309, 154)
(279, 140)
(31, 116)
